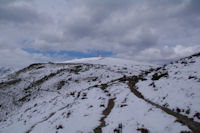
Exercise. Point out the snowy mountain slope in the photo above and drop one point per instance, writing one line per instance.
(101, 95)
(6, 70)
(109, 62)
(103, 60)
(176, 86)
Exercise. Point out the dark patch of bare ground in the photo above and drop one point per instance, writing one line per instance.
(192, 125)
(11, 82)
(106, 112)
(143, 130)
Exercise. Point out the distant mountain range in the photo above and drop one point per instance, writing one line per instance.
(6, 70)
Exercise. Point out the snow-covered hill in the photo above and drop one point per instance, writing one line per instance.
(102, 95)
(107, 61)
(6, 70)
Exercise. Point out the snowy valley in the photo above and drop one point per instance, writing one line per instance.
(102, 95)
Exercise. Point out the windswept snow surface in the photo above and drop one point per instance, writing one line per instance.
(75, 96)
(108, 61)
(6, 70)
(180, 90)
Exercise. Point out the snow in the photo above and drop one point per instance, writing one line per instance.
(79, 103)
(83, 60)
(177, 90)
(109, 61)
(6, 70)
(137, 113)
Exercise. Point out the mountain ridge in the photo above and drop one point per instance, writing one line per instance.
(36, 97)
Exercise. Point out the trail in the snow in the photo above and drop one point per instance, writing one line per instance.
(193, 125)
(105, 113)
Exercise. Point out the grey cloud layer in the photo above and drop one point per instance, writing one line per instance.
(154, 31)
(13, 11)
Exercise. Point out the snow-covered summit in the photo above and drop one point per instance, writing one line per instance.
(102, 95)
(111, 61)
(81, 60)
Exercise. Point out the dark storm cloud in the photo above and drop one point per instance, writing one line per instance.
(193, 7)
(190, 16)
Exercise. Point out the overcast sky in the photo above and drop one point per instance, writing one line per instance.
(155, 31)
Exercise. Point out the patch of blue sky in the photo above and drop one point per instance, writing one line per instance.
(67, 55)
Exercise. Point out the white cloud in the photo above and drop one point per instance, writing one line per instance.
(166, 53)
(19, 58)
(155, 31)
